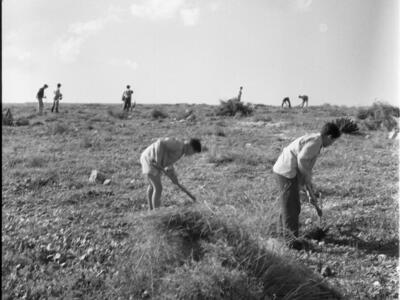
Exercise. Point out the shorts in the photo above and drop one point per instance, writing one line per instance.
(147, 167)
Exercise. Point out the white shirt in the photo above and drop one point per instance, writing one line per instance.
(299, 157)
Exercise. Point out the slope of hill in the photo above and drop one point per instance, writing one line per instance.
(65, 237)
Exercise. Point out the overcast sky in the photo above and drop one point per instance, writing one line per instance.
(200, 51)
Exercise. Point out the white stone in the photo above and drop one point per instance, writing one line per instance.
(107, 182)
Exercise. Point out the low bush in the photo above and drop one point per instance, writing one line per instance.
(118, 115)
(158, 114)
(379, 115)
(22, 122)
(233, 107)
(59, 128)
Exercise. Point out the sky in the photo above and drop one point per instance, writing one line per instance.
(202, 51)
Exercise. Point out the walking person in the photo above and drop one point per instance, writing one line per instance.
(127, 98)
(292, 169)
(40, 95)
(304, 99)
(286, 101)
(163, 154)
(57, 98)
(239, 97)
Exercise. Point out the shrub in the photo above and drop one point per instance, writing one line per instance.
(182, 115)
(233, 107)
(59, 128)
(158, 114)
(22, 122)
(119, 115)
(378, 115)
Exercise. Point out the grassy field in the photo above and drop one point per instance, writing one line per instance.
(63, 237)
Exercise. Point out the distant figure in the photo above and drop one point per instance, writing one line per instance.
(40, 95)
(127, 98)
(286, 100)
(239, 97)
(305, 100)
(8, 118)
(57, 98)
(162, 154)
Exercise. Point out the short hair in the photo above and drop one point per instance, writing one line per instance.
(58, 84)
(195, 144)
(46, 85)
(128, 86)
(331, 129)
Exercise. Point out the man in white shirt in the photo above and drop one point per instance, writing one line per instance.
(163, 154)
(127, 98)
(294, 167)
(57, 98)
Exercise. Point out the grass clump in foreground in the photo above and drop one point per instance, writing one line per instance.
(194, 253)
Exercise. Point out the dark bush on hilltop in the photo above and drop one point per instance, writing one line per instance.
(379, 115)
(233, 107)
(158, 114)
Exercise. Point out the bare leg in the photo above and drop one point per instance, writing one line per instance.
(150, 196)
(155, 181)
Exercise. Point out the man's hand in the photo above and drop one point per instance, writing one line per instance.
(313, 199)
(171, 174)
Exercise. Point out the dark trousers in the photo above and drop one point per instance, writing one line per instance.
(127, 105)
(55, 106)
(290, 205)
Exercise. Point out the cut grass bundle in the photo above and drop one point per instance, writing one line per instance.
(194, 253)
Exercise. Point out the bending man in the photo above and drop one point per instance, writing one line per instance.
(294, 168)
(163, 154)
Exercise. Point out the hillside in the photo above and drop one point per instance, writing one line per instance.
(65, 237)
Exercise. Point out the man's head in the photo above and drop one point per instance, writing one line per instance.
(58, 85)
(45, 86)
(330, 132)
(193, 146)
(241, 87)
(128, 87)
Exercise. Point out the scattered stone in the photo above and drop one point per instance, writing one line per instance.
(376, 284)
(107, 182)
(382, 257)
(96, 177)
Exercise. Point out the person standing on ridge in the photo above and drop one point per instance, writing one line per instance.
(239, 97)
(127, 98)
(57, 98)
